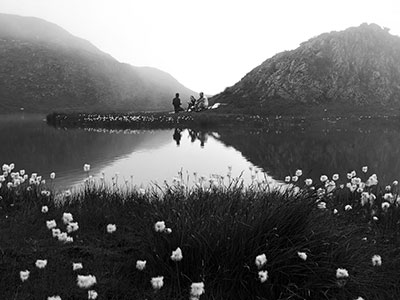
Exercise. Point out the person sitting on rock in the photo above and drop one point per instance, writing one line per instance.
(202, 102)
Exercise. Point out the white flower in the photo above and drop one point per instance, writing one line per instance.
(302, 255)
(45, 209)
(177, 255)
(159, 226)
(389, 197)
(364, 198)
(360, 298)
(321, 205)
(69, 239)
(168, 230)
(348, 207)
(24, 275)
(73, 226)
(388, 188)
(52, 175)
(375, 218)
(157, 282)
(85, 282)
(385, 206)
(62, 237)
(372, 180)
(308, 181)
(364, 169)
(55, 232)
(197, 289)
(335, 211)
(323, 178)
(67, 218)
(51, 224)
(140, 265)
(287, 179)
(67, 193)
(263, 276)
(111, 228)
(376, 260)
(299, 173)
(356, 180)
(295, 178)
(92, 294)
(261, 260)
(395, 182)
(55, 297)
(86, 167)
(342, 273)
(353, 173)
(41, 263)
(76, 266)
(335, 177)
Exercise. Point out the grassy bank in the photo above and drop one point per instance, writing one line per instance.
(220, 228)
(214, 120)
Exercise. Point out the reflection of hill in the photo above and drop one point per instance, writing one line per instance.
(36, 147)
(316, 153)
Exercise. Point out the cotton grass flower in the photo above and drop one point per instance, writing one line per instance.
(45, 209)
(86, 281)
(287, 179)
(159, 226)
(73, 226)
(323, 178)
(55, 297)
(263, 276)
(62, 237)
(24, 275)
(308, 181)
(177, 255)
(299, 173)
(55, 232)
(67, 218)
(52, 175)
(76, 266)
(140, 265)
(41, 263)
(295, 178)
(51, 224)
(92, 294)
(157, 282)
(111, 228)
(364, 169)
(376, 260)
(385, 206)
(321, 205)
(86, 167)
(341, 273)
(197, 289)
(260, 260)
(302, 255)
(335, 177)
(348, 207)
(168, 230)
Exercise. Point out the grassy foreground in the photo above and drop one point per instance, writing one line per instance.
(223, 230)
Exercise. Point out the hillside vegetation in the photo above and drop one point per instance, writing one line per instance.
(44, 68)
(354, 69)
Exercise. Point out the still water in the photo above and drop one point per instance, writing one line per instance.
(143, 157)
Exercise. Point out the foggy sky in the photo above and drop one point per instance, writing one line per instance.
(209, 44)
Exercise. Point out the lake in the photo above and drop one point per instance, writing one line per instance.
(143, 157)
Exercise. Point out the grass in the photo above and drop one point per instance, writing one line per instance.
(221, 229)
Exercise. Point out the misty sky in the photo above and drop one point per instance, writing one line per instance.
(207, 44)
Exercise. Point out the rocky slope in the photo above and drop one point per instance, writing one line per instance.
(44, 68)
(358, 67)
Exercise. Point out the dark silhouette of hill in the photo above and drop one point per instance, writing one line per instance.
(44, 68)
(354, 69)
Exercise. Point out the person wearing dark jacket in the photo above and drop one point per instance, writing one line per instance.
(176, 102)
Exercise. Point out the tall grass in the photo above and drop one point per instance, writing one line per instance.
(220, 229)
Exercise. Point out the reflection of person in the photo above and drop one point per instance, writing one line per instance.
(177, 136)
(192, 135)
(176, 102)
(202, 102)
(202, 136)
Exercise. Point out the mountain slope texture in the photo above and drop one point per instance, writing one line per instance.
(44, 68)
(358, 67)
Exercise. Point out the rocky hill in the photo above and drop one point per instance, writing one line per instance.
(44, 68)
(358, 68)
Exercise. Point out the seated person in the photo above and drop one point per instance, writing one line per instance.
(176, 102)
(202, 102)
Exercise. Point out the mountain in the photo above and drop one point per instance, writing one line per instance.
(358, 68)
(44, 68)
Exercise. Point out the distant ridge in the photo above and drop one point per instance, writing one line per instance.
(44, 68)
(356, 68)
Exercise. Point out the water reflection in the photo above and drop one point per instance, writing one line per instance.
(319, 151)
